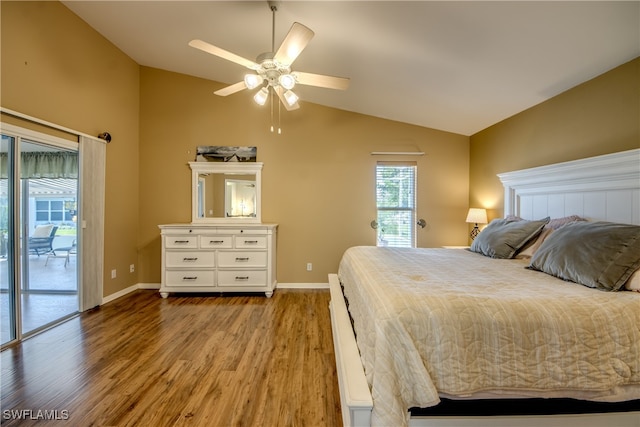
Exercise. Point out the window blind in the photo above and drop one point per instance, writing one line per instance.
(395, 202)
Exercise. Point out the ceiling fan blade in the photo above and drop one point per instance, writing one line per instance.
(295, 41)
(224, 54)
(231, 89)
(280, 91)
(329, 82)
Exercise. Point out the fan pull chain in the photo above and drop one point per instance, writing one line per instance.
(279, 129)
(271, 100)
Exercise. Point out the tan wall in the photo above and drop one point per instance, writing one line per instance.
(318, 176)
(598, 117)
(56, 68)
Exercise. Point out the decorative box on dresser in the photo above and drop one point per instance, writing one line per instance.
(218, 258)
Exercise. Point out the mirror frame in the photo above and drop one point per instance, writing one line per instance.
(248, 168)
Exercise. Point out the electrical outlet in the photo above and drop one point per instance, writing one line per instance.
(132, 268)
(113, 273)
(309, 266)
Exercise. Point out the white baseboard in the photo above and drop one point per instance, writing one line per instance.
(303, 285)
(156, 286)
(119, 294)
(149, 286)
(128, 290)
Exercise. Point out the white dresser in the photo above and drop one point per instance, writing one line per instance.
(218, 258)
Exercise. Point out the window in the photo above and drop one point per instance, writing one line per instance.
(42, 210)
(396, 202)
(53, 210)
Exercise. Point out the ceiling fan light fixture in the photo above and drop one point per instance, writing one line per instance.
(291, 97)
(261, 96)
(270, 73)
(287, 81)
(252, 80)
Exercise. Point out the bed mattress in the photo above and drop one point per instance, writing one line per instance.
(432, 322)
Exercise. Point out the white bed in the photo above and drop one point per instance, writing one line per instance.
(403, 373)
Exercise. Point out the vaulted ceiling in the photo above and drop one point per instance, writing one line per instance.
(451, 65)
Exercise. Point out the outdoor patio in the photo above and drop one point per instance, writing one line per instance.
(52, 290)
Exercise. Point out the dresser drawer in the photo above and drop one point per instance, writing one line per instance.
(249, 242)
(189, 242)
(190, 259)
(190, 278)
(247, 231)
(242, 259)
(216, 242)
(228, 278)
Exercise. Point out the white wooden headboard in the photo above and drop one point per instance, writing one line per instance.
(603, 188)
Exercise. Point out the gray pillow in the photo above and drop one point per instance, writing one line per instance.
(503, 237)
(600, 255)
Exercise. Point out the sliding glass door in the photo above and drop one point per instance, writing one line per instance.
(8, 288)
(38, 222)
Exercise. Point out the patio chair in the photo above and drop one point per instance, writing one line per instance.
(63, 252)
(42, 238)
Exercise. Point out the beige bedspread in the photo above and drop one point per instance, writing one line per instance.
(449, 321)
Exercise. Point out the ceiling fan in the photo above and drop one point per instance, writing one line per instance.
(272, 70)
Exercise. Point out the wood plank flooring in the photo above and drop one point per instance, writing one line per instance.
(238, 360)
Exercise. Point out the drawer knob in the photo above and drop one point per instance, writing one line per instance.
(250, 241)
(190, 278)
(190, 259)
(242, 277)
(180, 241)
(216, 242)
(238, 259)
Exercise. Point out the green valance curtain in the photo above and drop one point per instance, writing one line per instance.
(42, 164)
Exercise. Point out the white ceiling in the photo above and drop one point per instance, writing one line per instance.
(454, 66)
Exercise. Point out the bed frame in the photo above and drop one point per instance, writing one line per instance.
(598, 188)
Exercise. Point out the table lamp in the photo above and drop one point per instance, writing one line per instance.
(476, 216)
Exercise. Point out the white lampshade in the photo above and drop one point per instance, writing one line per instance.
(477, 216)
(252, 80)
(261, 96)
(291, 97)
(287, 81)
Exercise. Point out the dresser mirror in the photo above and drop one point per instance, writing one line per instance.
(225, 192)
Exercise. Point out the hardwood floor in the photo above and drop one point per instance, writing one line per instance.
(141, 360)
